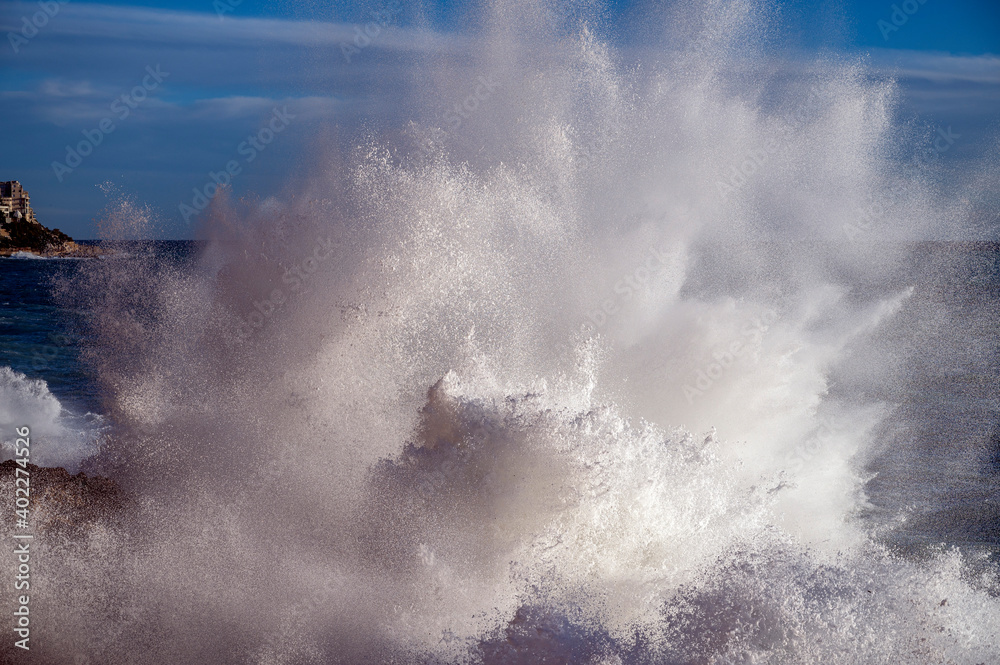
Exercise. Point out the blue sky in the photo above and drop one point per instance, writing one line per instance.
(198, 84)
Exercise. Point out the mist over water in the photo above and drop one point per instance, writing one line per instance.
(623, 366)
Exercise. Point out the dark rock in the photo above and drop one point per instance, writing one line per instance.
(58, 501)
(26, 235)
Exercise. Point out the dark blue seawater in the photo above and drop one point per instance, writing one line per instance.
(38, 337)
(41, 337)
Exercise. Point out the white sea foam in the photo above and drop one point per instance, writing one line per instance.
(628, 456)
(58, 436)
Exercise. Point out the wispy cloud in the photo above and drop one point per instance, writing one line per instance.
(226, 77)
(937, 67)
(226, 108)
(66, 105)
(149, 25)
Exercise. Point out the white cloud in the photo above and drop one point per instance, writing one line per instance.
(66, 102)
(176, 27)
(937, 67)
(304, 108)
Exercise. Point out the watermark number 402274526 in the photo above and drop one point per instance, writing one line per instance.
(22, 541)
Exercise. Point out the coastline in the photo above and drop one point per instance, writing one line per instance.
(67, 250)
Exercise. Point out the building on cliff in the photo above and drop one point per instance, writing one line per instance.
(20, 230)
(15, 202)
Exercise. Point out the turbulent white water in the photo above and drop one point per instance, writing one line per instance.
(659, 304)
(66, 438)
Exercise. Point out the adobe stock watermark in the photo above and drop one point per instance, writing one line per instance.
(625, 288)
(756, 159)
(804, 452)
(223, 7)
(122, 107)
(723, 359)
(298, 617)
(866, 220)
(462, 110)
(900, 15)
(737, 176)
(586, 155)
(365, 35)
(869, 216)
(249, 149)
(942, 144)
(296, 278)
(38, 20)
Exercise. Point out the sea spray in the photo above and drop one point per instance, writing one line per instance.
(425, 458)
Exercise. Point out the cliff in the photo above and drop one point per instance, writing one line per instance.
(23, 235)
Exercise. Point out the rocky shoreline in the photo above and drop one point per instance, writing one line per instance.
(20, 230)
(61, 501)
(67, 250)
(24, 235)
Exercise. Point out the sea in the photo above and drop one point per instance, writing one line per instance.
(45, 378)
(693, 362)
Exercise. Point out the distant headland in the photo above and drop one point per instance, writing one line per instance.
(20, 230)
